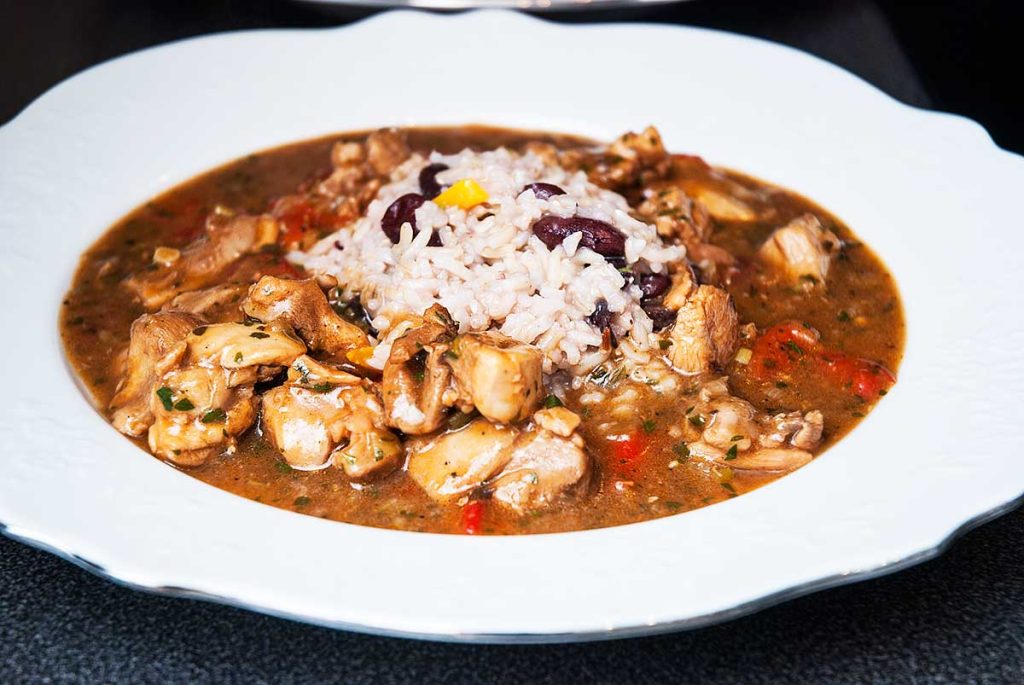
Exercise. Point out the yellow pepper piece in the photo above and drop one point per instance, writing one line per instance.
(360, 356)
(464, 193)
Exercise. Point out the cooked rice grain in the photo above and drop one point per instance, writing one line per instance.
(491, 271)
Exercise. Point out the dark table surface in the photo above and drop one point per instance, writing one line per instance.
(956, 619)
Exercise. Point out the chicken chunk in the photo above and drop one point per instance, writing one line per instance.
(722, 206)
(198, 414)
(153, 337)
(417, 379)
(521, 469)
(498, 375)
(305, 307)
(228, 237)
(235, 346)
(802, 431)
(358, 171)
(771, 459)
(542, 468)
(307, 371)
(732, 421)
(632, 159)
(451, 465)
(386, 149)
(303, 424)
(218, 303)
(684, 283)
(205, 397)
(801, 250)
(314, 426)
(705, 331)
(675, 216)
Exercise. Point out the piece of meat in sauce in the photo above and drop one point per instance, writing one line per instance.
(522, 469)
(228, 236)
(417, 380)
(801, 250)
(152, 338)
(498, 375)
(632, 160)
(218, 303)
(205, 399)
(705, 331)
(303, 305)
(358, 169)
(323, 415)
(733, 433)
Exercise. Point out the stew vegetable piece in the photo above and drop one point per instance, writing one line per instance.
(201, 337)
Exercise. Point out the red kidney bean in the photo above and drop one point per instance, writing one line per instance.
(653, 285)
(401, 211)
(601, 237)
(543, 190)
(662, 317)
(428, 181)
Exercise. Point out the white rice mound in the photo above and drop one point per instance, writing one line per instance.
(492, 272)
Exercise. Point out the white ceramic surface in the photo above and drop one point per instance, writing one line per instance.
(930, 192)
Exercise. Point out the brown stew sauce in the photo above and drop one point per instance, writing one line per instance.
(858, 313)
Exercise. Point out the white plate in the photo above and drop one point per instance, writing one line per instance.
(930, 192)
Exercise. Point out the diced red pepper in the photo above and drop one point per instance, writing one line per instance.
(471, 519)
(782, 346)
(628, 450)
(294, 215)
(867, 379)
(778, 348)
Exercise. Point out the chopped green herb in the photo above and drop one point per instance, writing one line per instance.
(450, 354)
(794, 347)
(259, 335)
(781, 384)
(664, 344)
(165, 395)
(674, 506)
(883, 392)
(858, 414)
(184, 404)
(282, 467)
(843, 316)
(323, 387)
(419, 374)
(238, 357)
(552, 401)
(731, 453)
(214, 416)
(302, 501)
(648, 425)
(697, 420)
(682, 449)
(736, 438)
(729, 488)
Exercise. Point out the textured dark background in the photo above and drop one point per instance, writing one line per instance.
(957, 619)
